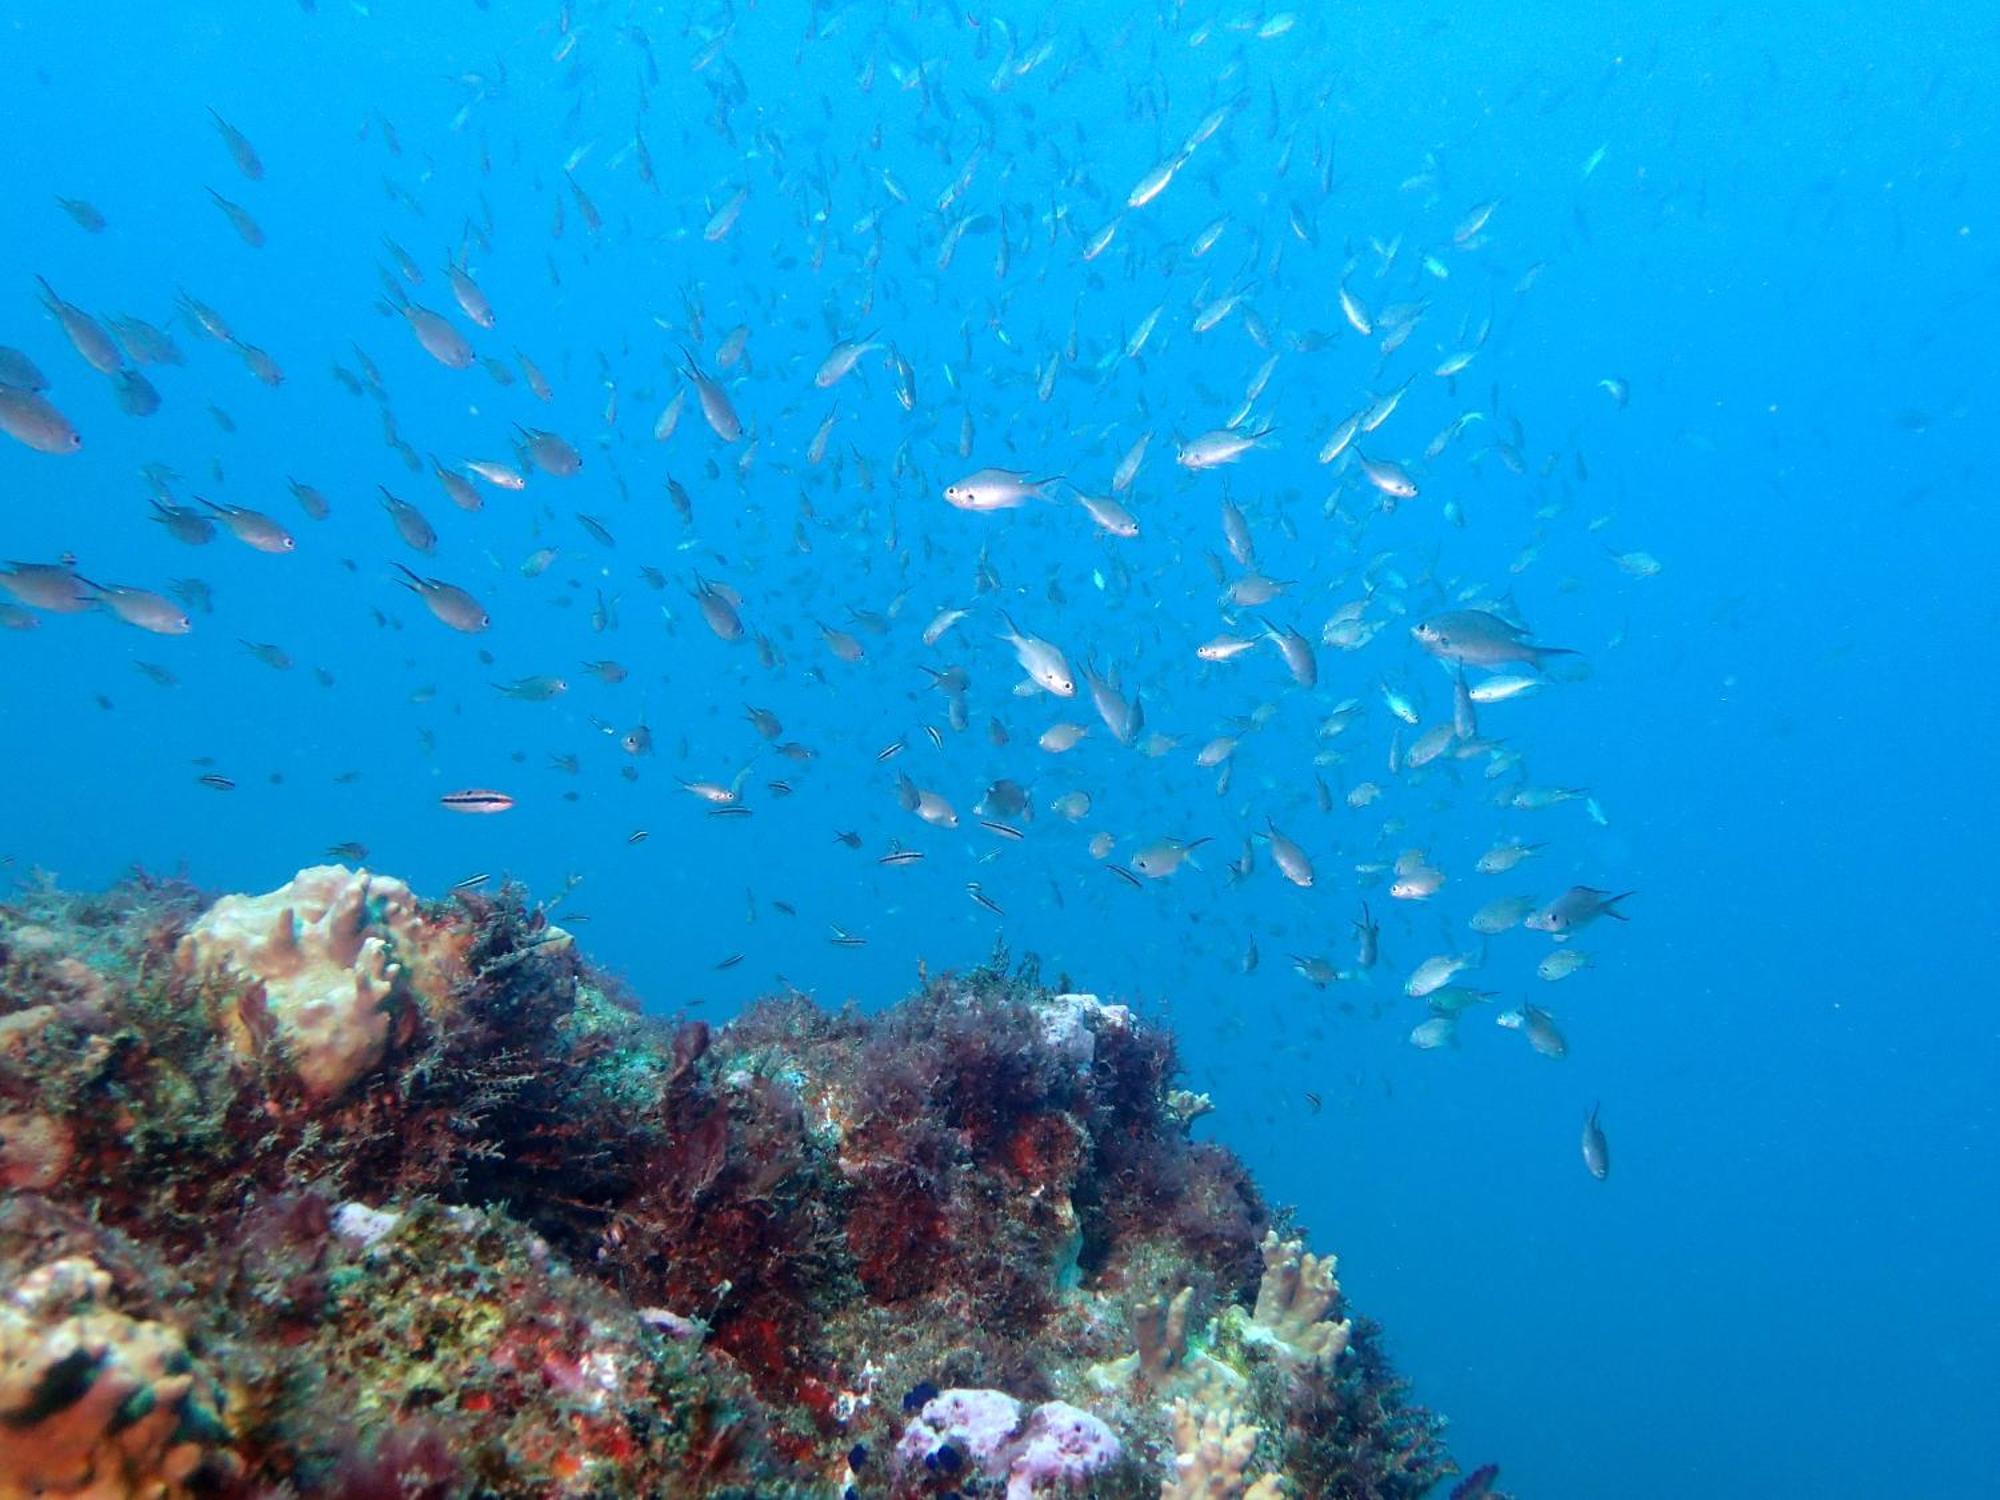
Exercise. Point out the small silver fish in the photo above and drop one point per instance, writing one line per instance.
(1596, 1150)
(1575, 908)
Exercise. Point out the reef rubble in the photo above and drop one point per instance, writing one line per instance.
(338, 1192)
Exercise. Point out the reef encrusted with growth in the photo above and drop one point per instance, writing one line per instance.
(337, 1192)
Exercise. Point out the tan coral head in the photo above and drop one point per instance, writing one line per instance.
(310, 970)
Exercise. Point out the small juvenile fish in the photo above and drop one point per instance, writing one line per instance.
(476, 800)
(1433, 974)
(1434, 1032)
(471, 300)
(311, 501)
(841, 361)
(1224, 647)
(1290, 859)
(1539, 1027)
(135, 394)
(139, 607)
(437, 337)
(1128, 466)
(1561, 964)
(716, 409)
(1112, 517)
(33, 419)
(532, 689)
(550, 453)
(1596, 1150)
(247, 229)
(1163, 857)
(996, 489)
(1499, 916)
(86, 215)
(1415, 879)
(452, 605)
(1224, 445)
(1481, 639)
(238, 145)
(1296, 650)
(416, 532)
(20, 372)
(503, 477)
(1059, 738)
(1075, 806)
(252, 528)
(1368, 935)
(1501, 687)
(941, 623)
(457, 488)
(97, 347)
(1044, 663)
(1574, 909)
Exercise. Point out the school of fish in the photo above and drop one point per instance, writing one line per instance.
(1178, 503)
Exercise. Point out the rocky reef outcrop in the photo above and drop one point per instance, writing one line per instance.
(337, 1192)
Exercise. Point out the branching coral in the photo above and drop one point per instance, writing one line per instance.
(1292, 1300)
(1212, 1449)
(95, 1404)
(1163, 1362)
(312, 966)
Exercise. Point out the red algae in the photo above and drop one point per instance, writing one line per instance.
(528, 1241)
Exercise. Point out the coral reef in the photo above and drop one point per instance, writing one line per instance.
(336, 1192)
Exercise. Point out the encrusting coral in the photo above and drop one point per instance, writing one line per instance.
(95, 1405)
(398, 1198)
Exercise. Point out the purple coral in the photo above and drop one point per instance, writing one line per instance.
(977, 1422)
(1064, 1445)
(1061, 1445)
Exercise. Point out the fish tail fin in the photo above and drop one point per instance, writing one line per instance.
(1538, 652)
(1608, 907)
(1039, 488)
(410, 580)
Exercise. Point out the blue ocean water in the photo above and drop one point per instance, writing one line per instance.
(1773, 231)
